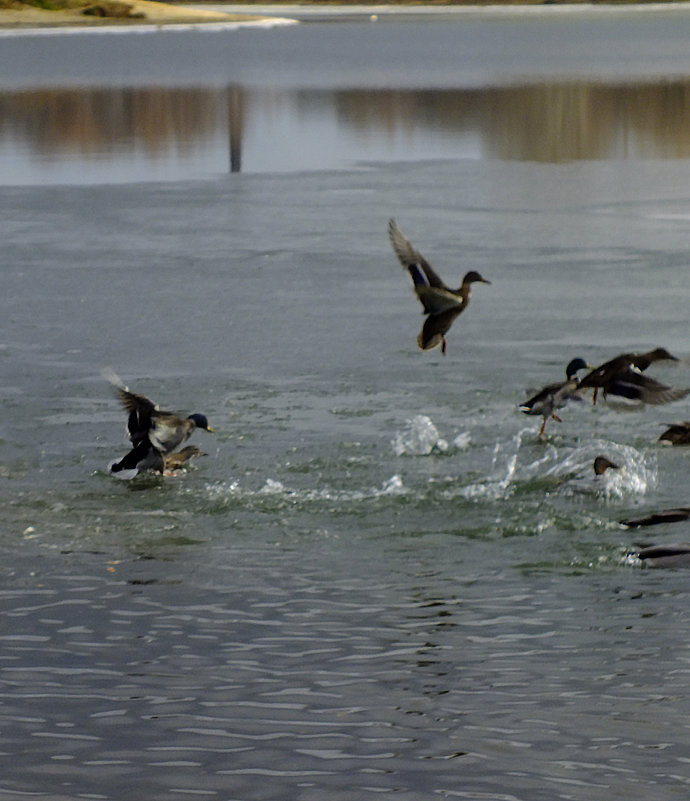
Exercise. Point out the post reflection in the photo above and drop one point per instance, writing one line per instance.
(235, 104)
(265, 130)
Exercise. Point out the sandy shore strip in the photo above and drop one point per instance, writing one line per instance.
(140, 14)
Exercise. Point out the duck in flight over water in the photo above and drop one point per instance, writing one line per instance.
(623, 377)
(441, 303)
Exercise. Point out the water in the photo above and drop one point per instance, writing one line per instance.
(378, 581)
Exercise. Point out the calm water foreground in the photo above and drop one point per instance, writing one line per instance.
(377, 582)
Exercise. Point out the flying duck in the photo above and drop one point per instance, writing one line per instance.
(441, 304)
(153, 433)
(554, 396)
(623, 376)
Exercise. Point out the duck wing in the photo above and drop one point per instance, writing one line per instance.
(545, 396)
(551, 397)
(140, 409)
(438, 301)
(143, 456)
(600, 376)
(636, 386)
(422, 273)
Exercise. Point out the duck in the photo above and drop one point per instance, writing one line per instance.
(554, 396)
(154, 434)
(675, 554)
(623, 376)
(675, 515)
(677, 433)
(441, 303)
(602, 464)
(178, 459)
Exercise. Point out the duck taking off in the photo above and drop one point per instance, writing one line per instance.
(153, 433)
(554, 396)
(441, 303)
(623, 377)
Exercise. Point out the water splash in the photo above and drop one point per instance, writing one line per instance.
(636, 472)
(275, 493)
(499, 483)
(393, 486)
(462, 441)
(419, 438)
(272, 487)
(563, 470)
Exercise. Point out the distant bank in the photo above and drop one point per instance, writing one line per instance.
(446, 3)
(18, 14)
(21, 14)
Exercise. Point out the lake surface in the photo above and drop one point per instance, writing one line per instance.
(378, 582)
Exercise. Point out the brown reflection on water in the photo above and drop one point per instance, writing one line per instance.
(544, 122)
(108, 120)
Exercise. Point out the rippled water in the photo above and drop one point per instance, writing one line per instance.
(378, 581)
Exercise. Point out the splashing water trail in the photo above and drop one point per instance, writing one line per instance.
(419, 438)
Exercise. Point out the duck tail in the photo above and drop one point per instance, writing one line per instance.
(113, 378)
(142, 457)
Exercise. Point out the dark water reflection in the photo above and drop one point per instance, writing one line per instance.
(83, 135)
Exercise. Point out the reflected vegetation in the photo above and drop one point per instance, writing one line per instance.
(544, 122)
(260, 130)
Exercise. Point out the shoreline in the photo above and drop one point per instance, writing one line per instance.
(142, 15)
(153, 15)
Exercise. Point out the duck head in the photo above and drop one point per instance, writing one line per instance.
(473, 277)
(661, 354)
(575, 366)
(200, 421)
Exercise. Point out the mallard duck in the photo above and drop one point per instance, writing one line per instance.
(602, 464)
(675, 515)
(142, 458)
(675, 554)
(623, 376)
(677, 433)
(441, 304)
(554, 396)
(153, 433)
(174, 461)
